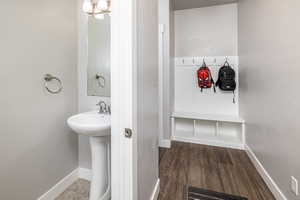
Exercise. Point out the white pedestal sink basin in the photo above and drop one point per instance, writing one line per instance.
(97, 127)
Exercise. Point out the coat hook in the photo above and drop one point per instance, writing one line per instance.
(226, 62)
(203, 64)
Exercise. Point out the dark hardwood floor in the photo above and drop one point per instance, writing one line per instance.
(213, 168)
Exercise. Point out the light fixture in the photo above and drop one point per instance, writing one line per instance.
(97, 8)
(87, 6)
(102, 5)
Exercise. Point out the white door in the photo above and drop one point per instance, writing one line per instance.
(124, 150)
(134, 99)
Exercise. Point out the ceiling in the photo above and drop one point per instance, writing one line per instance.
(187, 4)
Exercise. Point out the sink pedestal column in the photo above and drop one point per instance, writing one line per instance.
(100, 186)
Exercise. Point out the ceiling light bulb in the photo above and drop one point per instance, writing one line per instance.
(87, 6)
(102, 5)
(99, 16)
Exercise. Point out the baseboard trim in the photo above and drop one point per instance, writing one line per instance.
(85, 174)
(165, 143)
(155, 192)
(209, 142)
(60, 187)
(265, 175)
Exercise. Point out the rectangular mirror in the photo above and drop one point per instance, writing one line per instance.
(99, 56)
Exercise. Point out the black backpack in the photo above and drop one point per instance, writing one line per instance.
(226, 80)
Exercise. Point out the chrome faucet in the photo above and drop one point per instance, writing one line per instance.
(103, 108)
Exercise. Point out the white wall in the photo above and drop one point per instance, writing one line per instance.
(85, 102)
(188, 95)
(269, 47)
(37, 148)
(208, 31)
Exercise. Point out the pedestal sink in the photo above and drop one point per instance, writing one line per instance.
(97, 127)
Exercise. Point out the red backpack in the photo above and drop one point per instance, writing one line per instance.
(205, 79)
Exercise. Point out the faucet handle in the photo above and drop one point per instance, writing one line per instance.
(103, 107)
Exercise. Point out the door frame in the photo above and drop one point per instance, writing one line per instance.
(123, 99)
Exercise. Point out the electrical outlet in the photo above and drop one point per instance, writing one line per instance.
(294, 185)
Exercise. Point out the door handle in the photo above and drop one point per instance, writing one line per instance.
(128, 132)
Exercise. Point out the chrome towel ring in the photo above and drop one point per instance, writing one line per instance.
(48, 78)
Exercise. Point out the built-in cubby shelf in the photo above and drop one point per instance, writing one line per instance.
(217, 130)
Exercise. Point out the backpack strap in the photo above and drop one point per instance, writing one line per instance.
(213, 82)
(226, 64)
(218, 81)
(204, 63)
(214, 85)
(233, 97)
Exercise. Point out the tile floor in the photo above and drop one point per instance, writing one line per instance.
(77, 191)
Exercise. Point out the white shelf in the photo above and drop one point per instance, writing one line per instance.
(215, 135)
(208, 117)
(227, 143)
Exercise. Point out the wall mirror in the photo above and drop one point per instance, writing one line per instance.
(99, 41)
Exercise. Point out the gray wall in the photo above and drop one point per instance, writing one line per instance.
(147, 97)
(269, 49)
(37, 149)
(165, 17)
(172, 66)
(188, 4)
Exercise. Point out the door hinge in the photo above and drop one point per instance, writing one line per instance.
(128, 132)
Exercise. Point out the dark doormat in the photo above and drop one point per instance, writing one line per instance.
(202, 194)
